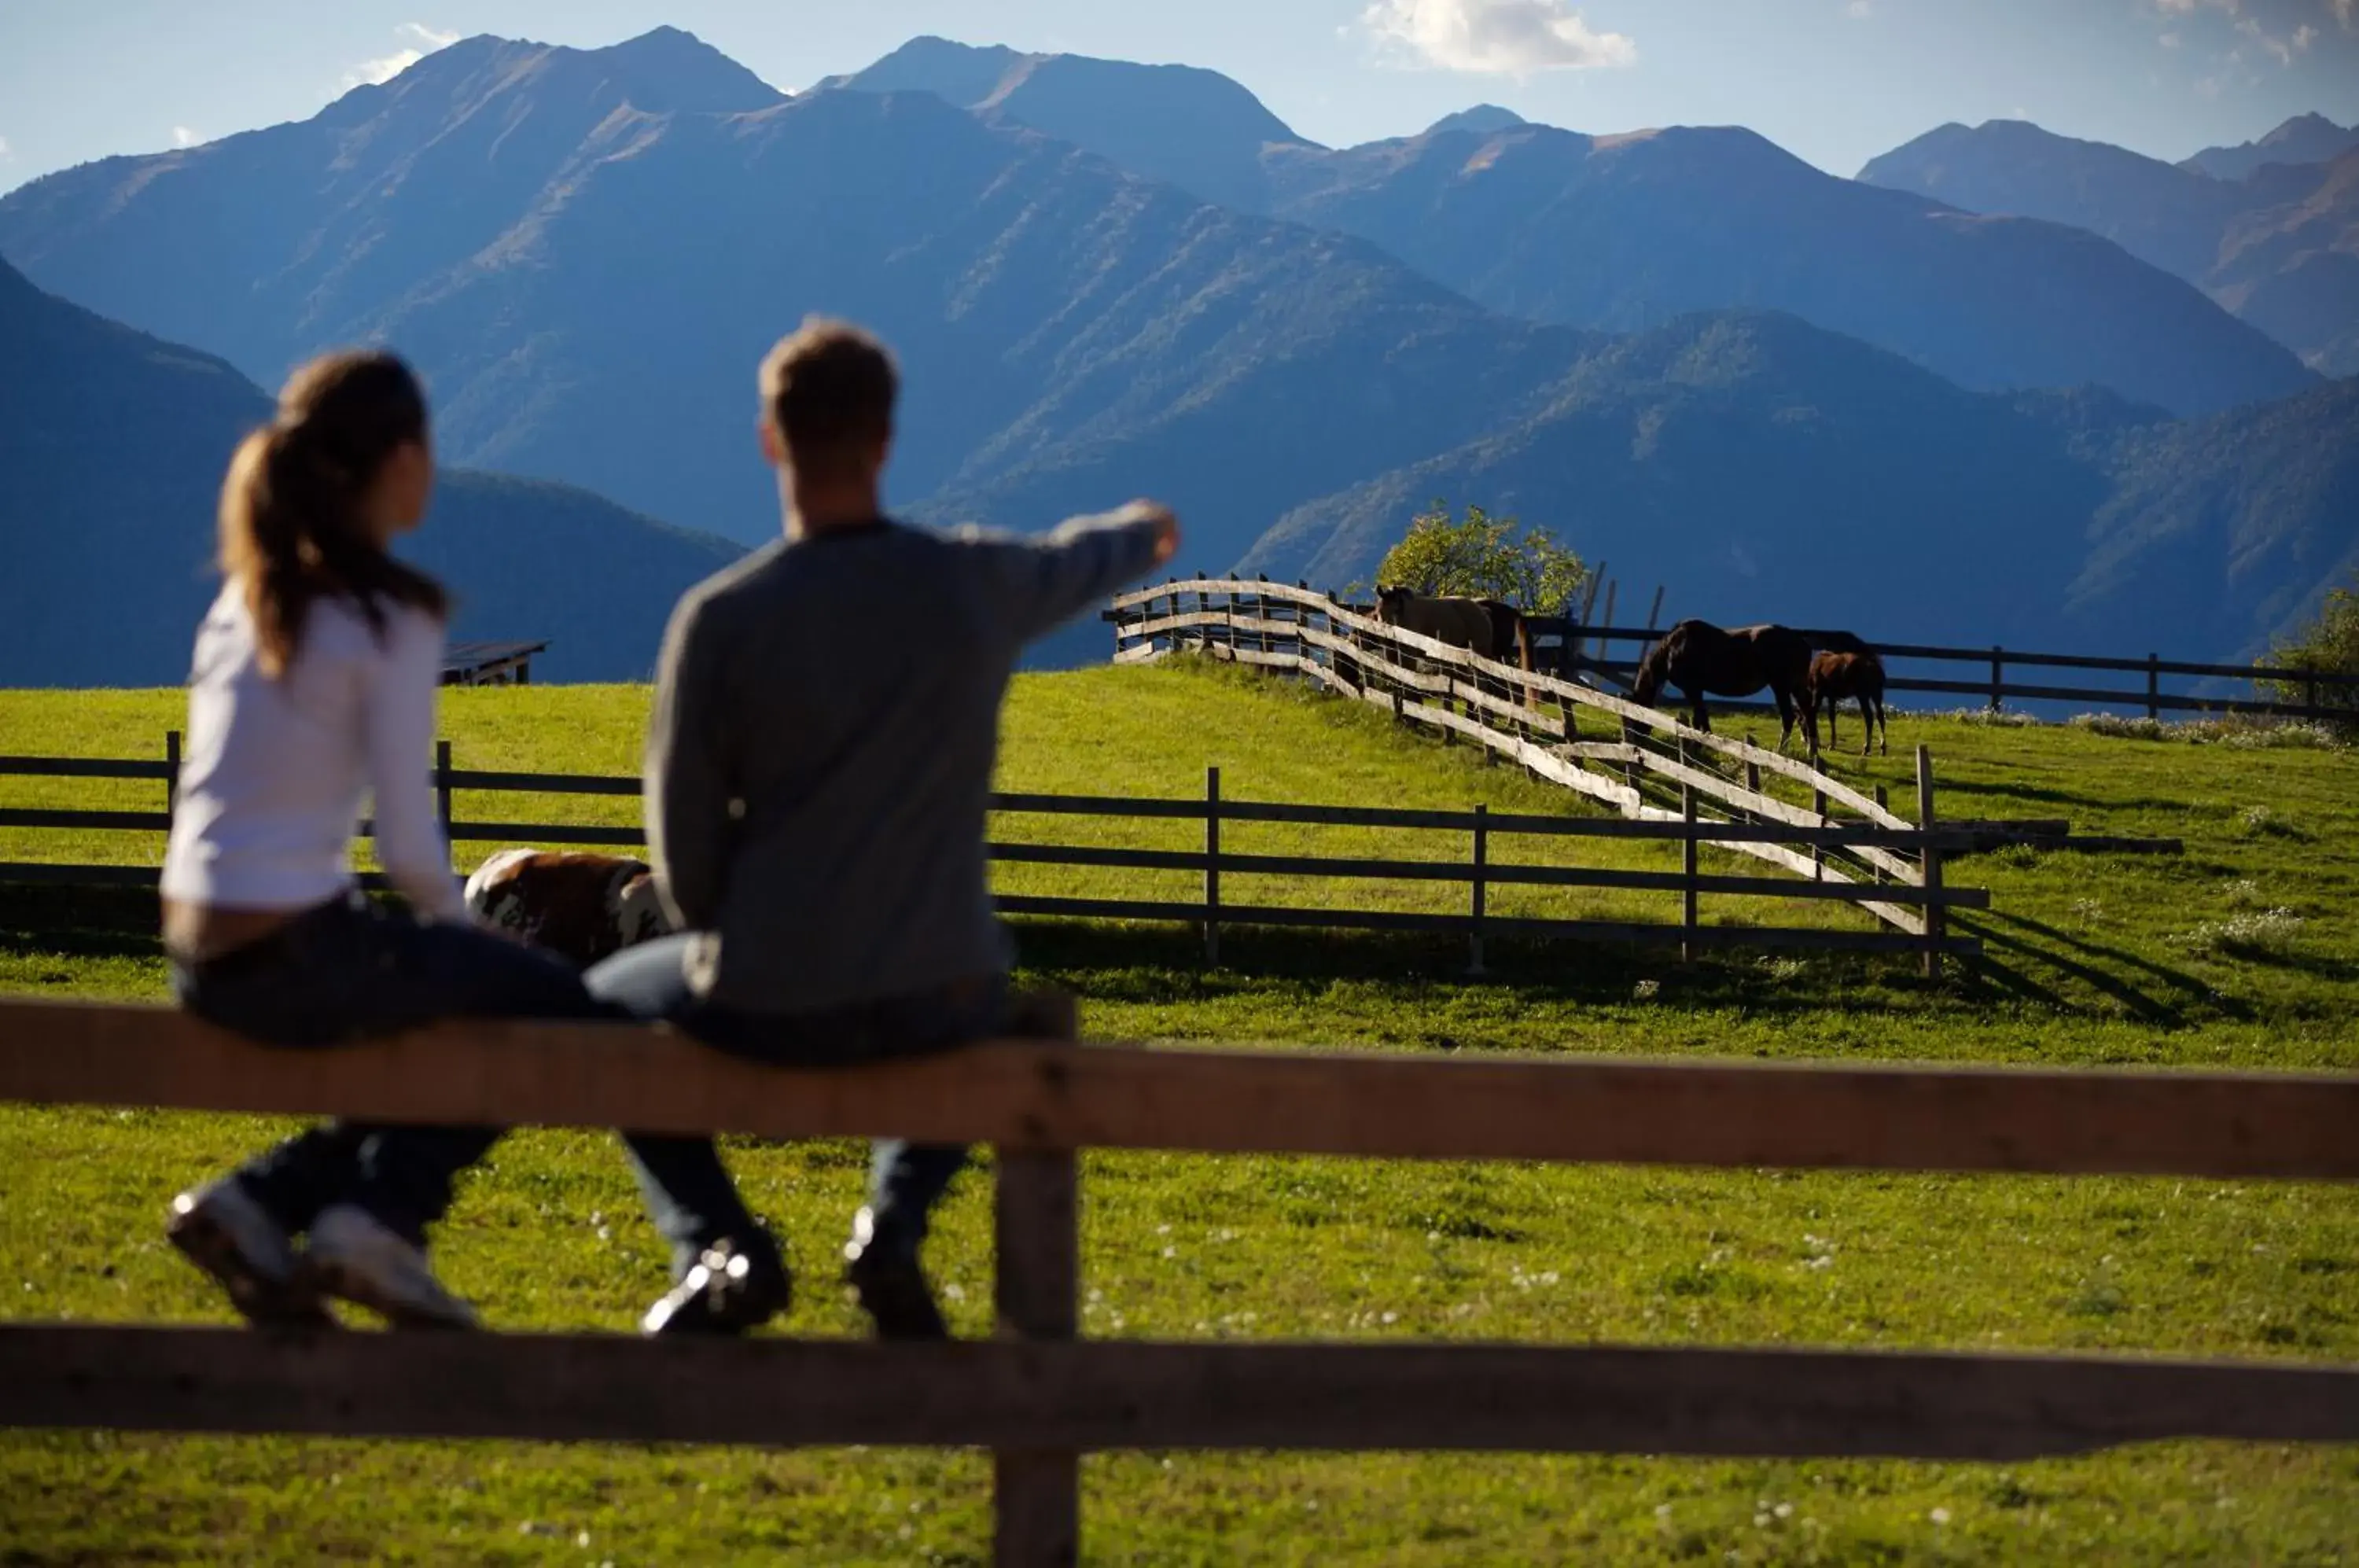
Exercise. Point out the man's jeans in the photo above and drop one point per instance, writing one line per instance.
(347, 971)
(687, 1190)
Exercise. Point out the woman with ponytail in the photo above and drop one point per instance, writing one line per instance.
(314, 686)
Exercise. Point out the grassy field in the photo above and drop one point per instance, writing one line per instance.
(2240, 952)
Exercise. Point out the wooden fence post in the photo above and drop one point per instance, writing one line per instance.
(1211, 865)
(1998, 677)
(1883, 803)
(172, 782)
(1818, 850)
(1688, 871)
(1482, 860)
(2153, 687)
(1035, 1212)
(1936, 925)
(442, 784)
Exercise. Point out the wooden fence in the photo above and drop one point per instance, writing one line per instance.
(1039, 1394)
(1570, 651)
(1481, 870)
(1643, 763)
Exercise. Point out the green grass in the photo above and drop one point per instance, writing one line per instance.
(2092, 959)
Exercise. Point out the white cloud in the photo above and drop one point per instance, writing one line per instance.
(1860, 10)
(184, 137)
(4, 153)
(1501, 37)
(376, 72)
(2170, 41)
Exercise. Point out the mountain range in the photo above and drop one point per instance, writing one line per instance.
(2269, 230)
(1624, 233)
(115, 442)
(1781, 394)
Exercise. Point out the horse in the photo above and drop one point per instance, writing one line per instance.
(1835, 676)
(1485, 627)
(582, 907)
(1700, 657)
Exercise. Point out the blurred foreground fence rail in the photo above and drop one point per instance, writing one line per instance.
(1039, 1394)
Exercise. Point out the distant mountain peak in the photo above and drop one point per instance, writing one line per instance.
(1482, 119)
(661, 72)
(983, 76)
(2303, 139)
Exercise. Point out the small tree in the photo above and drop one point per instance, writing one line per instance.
(2328, 646)
(1483, 556)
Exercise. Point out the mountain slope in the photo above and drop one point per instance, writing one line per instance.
(2169, 216)
(1762, 471)
(114, 445)
(2280, 247)
(2226, 532)
(263, 246)
(2305, 138)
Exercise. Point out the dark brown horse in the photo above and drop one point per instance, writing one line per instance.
(1486, 627)
(1859, 676)
(1701, 658)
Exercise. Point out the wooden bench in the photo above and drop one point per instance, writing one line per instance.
(1038, 1396)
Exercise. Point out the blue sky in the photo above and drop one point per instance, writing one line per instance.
(1833, 80)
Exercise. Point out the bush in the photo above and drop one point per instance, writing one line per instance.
(1483, 556)
(2328, 646)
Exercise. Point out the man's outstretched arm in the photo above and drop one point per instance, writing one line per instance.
(1039, 583)
(686, 783)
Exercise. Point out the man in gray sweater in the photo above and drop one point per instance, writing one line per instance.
(818, 772)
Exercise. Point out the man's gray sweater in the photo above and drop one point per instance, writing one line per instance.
(819, 759)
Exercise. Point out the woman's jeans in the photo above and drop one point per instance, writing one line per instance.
(687, 1190)
(346, 971)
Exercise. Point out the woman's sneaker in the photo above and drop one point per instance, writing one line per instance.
(222, 1230)
(354, 1257)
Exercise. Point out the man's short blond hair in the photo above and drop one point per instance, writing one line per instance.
(828, 389)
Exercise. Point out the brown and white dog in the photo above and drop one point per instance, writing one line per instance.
(581, 907)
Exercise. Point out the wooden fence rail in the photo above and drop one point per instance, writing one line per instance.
(1646, 765)
(1040, 1396)
(1481, 873)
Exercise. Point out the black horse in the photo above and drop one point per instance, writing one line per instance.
(1700, 657)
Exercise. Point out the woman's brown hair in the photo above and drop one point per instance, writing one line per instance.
(293, 528)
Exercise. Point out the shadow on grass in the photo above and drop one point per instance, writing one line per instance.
(2035, 941)
(2318, 966)
(79, 922)
(1163, 965)
(2023, 958)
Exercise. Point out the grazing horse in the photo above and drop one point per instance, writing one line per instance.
(581, 907)
(1835, 676)
(1700, 657)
